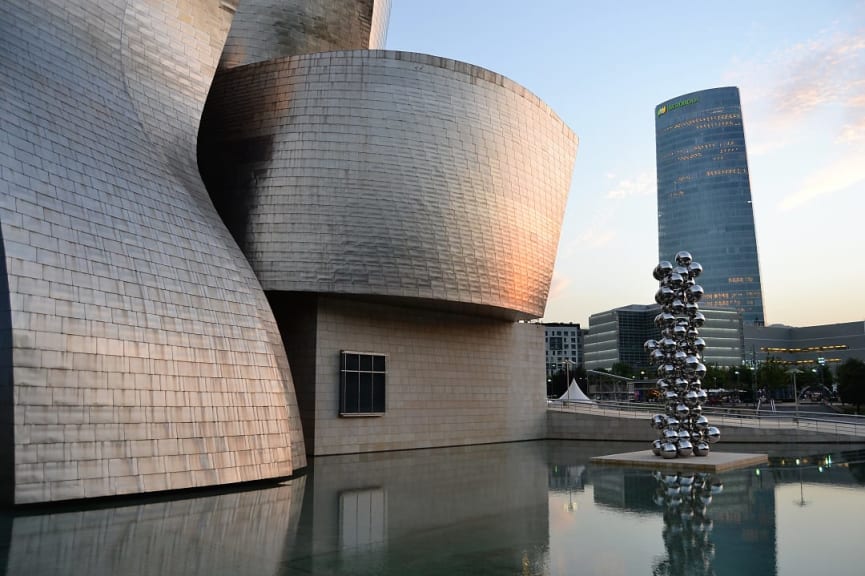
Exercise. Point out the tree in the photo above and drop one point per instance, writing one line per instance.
(851, 382)
(622, 369)
(773, 376)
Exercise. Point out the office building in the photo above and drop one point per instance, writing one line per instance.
(617, 336)
(704, 197)
(563, 344)
(806, 347)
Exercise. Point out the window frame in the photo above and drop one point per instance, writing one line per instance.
(366, 372)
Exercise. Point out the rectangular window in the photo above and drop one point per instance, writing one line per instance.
(361, 384)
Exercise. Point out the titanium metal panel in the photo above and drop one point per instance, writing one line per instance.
(143, 353)
(390, 174)
(267, 29)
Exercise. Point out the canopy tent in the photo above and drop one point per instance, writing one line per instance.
(574, 394)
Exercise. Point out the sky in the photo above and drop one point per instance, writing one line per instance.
(604, 66)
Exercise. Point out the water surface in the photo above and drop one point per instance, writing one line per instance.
(522, 508)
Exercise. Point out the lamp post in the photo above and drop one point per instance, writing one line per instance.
(566, 363)
(795, 371)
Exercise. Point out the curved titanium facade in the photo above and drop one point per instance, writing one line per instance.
(138, 350)
(267, 29)
(382, 173)
(704, 197)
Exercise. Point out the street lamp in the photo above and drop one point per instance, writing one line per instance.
(567, 364)
(795, 371)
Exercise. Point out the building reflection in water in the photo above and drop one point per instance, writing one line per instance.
(719, 524)
(417, 512)
(474, 509)
(233, 533)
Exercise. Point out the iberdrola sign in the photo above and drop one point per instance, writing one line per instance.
(664, 108)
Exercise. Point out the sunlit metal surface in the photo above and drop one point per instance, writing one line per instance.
(267, 29)
(390, 174)
(138, 352)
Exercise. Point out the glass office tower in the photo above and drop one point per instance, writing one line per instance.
(704, 197)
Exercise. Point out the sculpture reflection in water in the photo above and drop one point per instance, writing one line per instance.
(687, 527)
(678, 354)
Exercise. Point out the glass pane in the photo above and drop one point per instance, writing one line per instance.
(365, 395)
(366, 362)
(351, 362)
(351, 400)
(378, 392)
(378, 363)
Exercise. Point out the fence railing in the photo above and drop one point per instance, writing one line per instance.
(821, 422)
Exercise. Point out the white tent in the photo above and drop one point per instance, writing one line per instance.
(574, 394)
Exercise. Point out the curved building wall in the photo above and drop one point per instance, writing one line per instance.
(267, 29)
(704, 197)
(392, 174)
(143, 353)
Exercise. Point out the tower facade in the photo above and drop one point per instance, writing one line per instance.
(704, 196)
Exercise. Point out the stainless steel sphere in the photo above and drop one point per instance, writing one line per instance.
(664, 295)
(659, 421)
(700, 370)
(684, 449)
(695, 269)
(698, 320)
(676, 280)
(691, 363)
(701, 449)
(668, 450)
(691, 398)
(683, 258)
(656, 447)
(682, 411)
(663, 268)
(712, 434)
(694, 293)
(670, 435)
(701, 423)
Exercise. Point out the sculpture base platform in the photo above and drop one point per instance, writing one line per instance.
(713, 462)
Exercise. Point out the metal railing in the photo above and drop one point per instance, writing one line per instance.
(804, 420)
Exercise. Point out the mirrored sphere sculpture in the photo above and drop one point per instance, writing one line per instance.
(678, 353)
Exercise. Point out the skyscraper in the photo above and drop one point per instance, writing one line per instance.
(704, 196)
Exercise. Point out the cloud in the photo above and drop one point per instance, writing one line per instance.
(642, 185)
(788, 86)
(834, 177)
(853, 132)
(826, 70)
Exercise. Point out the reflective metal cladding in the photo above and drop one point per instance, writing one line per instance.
(390, 174)
(137, 351)
(704, 196)
(267, 29)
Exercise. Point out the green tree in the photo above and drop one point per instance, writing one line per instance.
(622, 369)
(851, 382)
(773, 376)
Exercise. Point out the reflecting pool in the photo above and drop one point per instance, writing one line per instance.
(522, 508)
